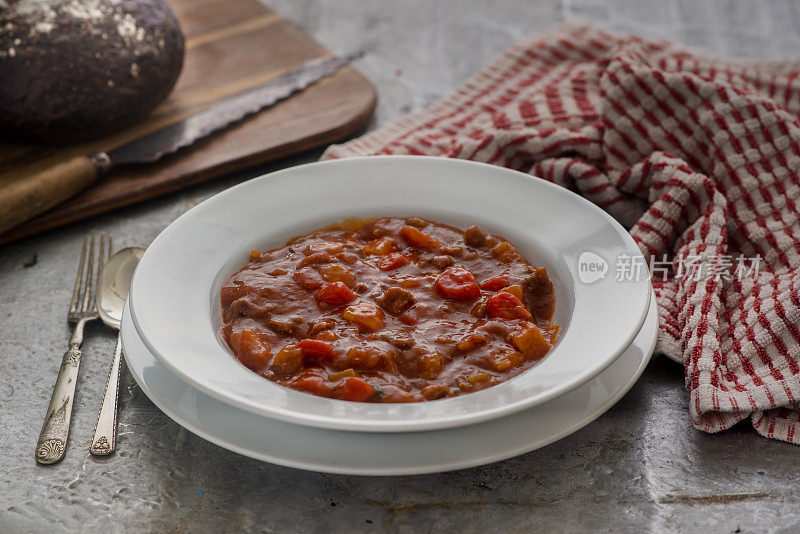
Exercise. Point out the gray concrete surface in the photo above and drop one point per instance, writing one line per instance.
(640, 467)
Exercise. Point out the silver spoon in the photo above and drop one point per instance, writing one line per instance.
(113, 286)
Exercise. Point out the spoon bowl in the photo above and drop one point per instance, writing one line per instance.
(114, 284)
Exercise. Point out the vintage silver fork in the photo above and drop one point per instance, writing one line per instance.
(53, 439)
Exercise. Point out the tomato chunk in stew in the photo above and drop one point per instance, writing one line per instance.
(389, 310)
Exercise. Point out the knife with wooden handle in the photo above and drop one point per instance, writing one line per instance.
(25, 196)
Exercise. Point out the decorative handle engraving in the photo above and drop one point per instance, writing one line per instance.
(53, 438)
(105, 430)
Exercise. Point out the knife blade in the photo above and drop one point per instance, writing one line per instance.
(23, 197)
(171, 138)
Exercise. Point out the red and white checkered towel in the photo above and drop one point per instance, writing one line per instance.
(699, 156)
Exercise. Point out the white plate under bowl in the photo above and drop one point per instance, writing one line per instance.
(175, 290)
(409, 453)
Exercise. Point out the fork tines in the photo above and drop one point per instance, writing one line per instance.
(86, 280)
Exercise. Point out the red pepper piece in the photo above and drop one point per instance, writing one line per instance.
(354, 389)
(497, 283)
(504, 305)
(316, 385)
(335, 294)
(315, 349)
(392, 261)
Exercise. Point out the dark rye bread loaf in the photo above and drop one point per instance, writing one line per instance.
(80, 69)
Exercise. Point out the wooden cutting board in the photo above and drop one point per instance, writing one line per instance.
(231, 46)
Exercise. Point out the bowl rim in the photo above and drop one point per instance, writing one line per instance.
(329, 413)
